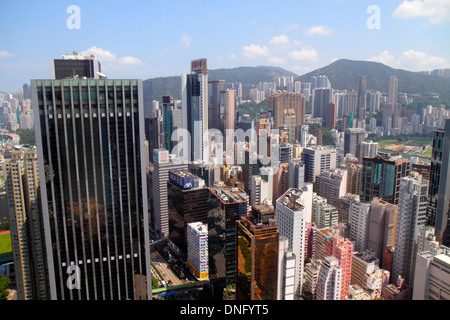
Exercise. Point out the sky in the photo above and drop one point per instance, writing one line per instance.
(153, 38)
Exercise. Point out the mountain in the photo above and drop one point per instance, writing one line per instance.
(344, 74)
(155, 88)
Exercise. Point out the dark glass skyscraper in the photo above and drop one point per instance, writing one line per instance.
(90, 142)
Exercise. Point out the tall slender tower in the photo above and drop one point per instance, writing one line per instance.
(443, 207)
(392, 92)
(362, 101)
(194, 95)
(91, 155)
(27, 238)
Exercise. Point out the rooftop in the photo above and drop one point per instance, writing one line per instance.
(291, 199)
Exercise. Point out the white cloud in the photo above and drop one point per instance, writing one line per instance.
(412, 60)
(109, 59)
(436, 11)
(4, 54)
(304, 54)
(319, 30)
(232, 56)
(254, 50)
(185, 41)
(280, 42)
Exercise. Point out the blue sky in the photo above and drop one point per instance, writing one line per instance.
(153, 38)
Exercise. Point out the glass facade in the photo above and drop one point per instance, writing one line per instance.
(91, 148)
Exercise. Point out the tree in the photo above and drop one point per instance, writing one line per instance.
(4, 283)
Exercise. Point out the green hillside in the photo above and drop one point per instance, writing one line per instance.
(155, 88)
(344, 74)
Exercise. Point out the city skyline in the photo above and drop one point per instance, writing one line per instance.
(157, 39)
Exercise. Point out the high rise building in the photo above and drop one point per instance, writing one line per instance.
(381, 227)
(257, 256)
(362, 99)
(330, 118)
(288, 112)
(162, 165)
(317, 159)
(259, 191)
(358, 219)
(381, 177)
(392, 91)
(321, 98)
(352, 140)
(354, 172)
(26, 225)
(411, 215)
(442, 226)
(367, 149)
(92, 162)
(194, 92)
(333, 185)
(197, 249)
(187, 198)
(432, 268)
(329, 283)
(75, 65)
(291, 221)
(227, 206)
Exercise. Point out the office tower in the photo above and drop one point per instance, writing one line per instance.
(197, 250)
(194, 92)
(162, 165)
(411, 215)
(282, 153)
(91, 155)
(329, 283)
(354, 172)
(27, 236)
(288, 112)
(392, 91)
(75, 66)
(208, 171)
(257, 256)
(330, 118)
(443, 206)
(333, 185)
(296, 171)
(358, 216)
(250, 168)
(367, 274)
(215, 91)
(368, 149)
(227, 205)
(386, 118)
(259, 191)
(321, 98)
(381, 227)
(435, 174)
(280, 181)
(227, 114)
(362, 100)
(381, 177)
(352, 140)
(432, 268)
(286, 271)
(187, 198)
(317, 159)
(312, 271)
(421, 167)
(375, 100)
(152, 134)
(291, 220)
(171, 121)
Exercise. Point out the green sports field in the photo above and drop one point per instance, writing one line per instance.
(5, 243)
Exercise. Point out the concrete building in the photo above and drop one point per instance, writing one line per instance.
(355, 292)
(318, 159)
(312, 271)
(367, 149)
(286, 271)
(197, 250)
(381, 229)
(259, 191)
(333, 185)
(432, 274)
(352, 140)
(291, 219)
(397, 291)
(329, 284)
(354, 172)
(27, 237)
(411, 215)
(358, 219)
(443, 206)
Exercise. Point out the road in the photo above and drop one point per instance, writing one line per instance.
(169, 277)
